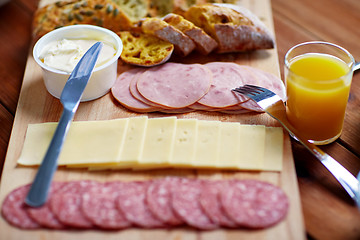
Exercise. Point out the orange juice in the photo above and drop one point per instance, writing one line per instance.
(318, 88)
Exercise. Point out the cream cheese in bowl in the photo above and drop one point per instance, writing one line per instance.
(59, 51)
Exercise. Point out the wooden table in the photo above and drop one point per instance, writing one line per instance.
(329, 212)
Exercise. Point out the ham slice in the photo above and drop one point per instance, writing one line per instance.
(175, 85)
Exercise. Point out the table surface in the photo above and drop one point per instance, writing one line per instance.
(329, 213)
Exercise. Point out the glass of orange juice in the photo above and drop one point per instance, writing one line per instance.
(318, 77)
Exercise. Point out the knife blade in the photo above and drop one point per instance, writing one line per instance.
(70, 99)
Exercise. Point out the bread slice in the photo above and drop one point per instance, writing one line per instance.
(204, 43)
(135, 9)
(144, 50)
(161, 29)
(234, 28)
(102, 13)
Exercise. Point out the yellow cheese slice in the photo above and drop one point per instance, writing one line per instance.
(252, 147)
(229, 151)
(184, 143)
(158, 145)
(88, 142)
(274, 141)
(207, 144)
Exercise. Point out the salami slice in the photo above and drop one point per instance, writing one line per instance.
(99, 206)
(210, 202)
(66, 204)
(121, 92)
(185, 202)
(158, 198)
(226, 76)
(175, 85)
(14, 209)
(132, 203)
(43, 215)
(254, 204)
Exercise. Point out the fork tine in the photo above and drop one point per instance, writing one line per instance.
(249, 90)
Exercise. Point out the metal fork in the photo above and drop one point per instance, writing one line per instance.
(274, 106)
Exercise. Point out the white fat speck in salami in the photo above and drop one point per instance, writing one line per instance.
(175, 85)
(121, 92)
(210, 202)
(226, 76)
(158, 198)
(132, 203)
(14, 209)
(254, 204)
(185, 202)
(99, 206)
(43, 215)
(66, 204)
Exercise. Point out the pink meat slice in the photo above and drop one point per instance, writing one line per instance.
(132, 203)
(185, 202)
(14, 209)
(121, 92)
(254, 204)
(158, 198)
(210, 202)
(43, 215)
(66, 204)
(226, 76)
(175, 85)
(99, 206)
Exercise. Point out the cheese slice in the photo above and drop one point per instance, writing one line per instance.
(252, 147)
(184, 143)
(207, 145)
(87, 142)
(229, 151)
(158, 144)
(273, 155)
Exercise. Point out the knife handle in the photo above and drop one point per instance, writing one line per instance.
(39, 189)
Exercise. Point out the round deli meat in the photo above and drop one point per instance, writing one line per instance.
(210, 203)
(66, 204)
(158, 198)
(121, 92)
(132, 203)
(226, 76)
(14, 209)
(185, 202)
(175, 85)
(254, 204)
(43, 215)
(99, 206)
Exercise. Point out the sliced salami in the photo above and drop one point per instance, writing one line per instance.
(14, 209)
(99, 206)
(158, 198)
(66, 204)
(254, 204)
(226, 76)
(121, 92)
(210, 202)
(43, 215)
(185, 202)
(175, 85)
(132, 203)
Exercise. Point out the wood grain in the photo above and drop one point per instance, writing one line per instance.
(42, 107)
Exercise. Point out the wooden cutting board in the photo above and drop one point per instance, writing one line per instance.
(36, 105)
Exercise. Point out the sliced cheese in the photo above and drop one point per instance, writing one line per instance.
(252, 147)
(88, 142)
(207, 144)
(184, 143)
(158, 144)
(229, 151)
(273, 155)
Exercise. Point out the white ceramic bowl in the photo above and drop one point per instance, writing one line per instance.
(102, 78)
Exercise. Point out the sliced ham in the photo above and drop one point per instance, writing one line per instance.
(175, 85)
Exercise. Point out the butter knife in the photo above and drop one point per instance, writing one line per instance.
(70, 99)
